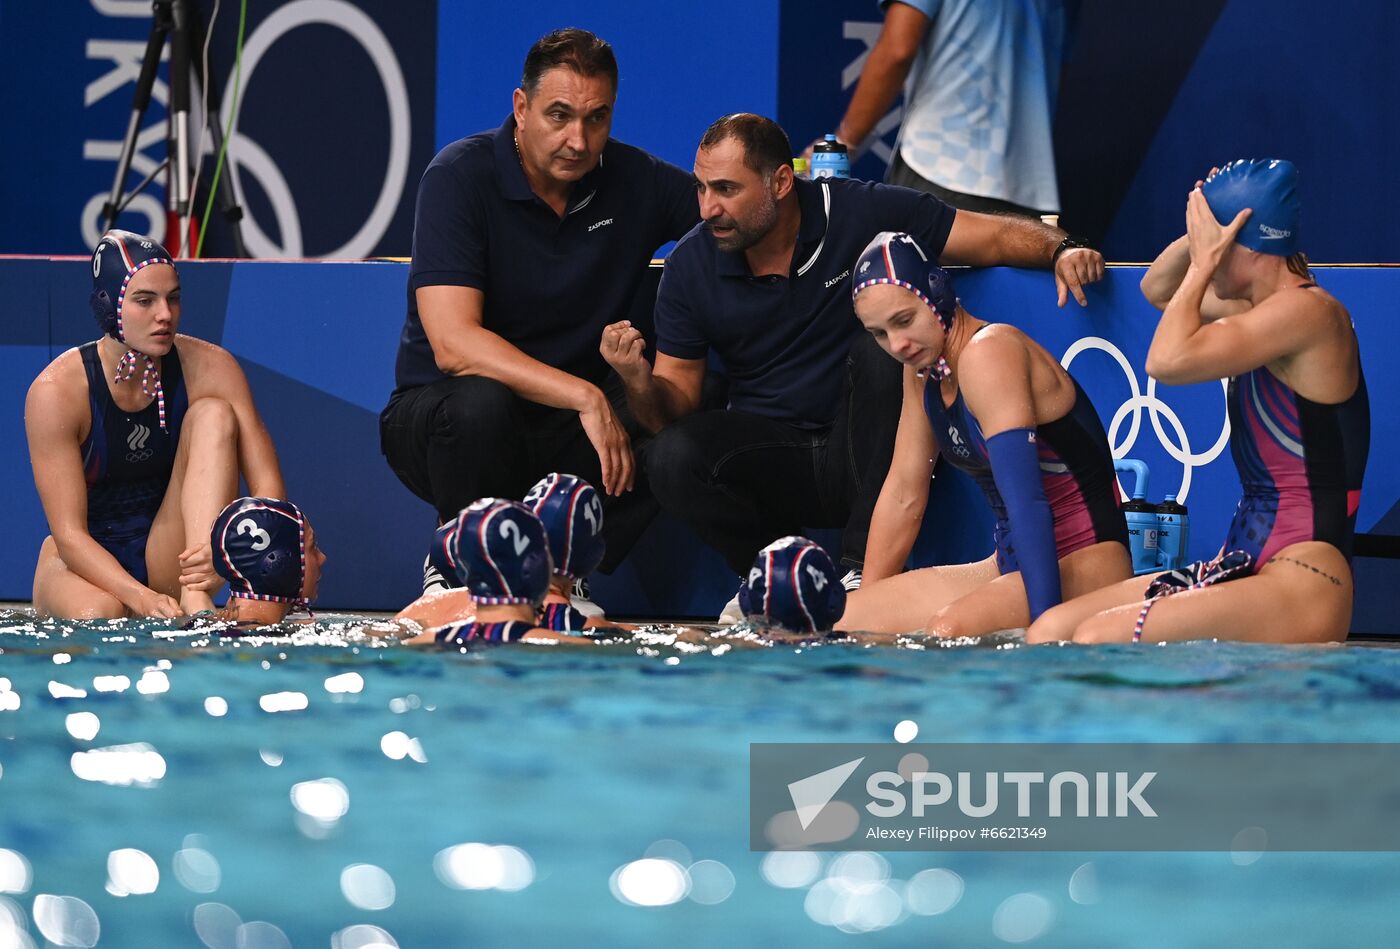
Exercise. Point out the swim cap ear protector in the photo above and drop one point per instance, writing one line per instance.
(573, 518)
(1270, 188)
(502, 553)
(894, 257)
(119, 255)
(259, 547)
(794, 586)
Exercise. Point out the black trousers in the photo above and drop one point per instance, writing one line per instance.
(741, 481)
(468, 437)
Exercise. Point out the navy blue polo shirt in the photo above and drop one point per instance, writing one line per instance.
(551, 284)
(784, 340)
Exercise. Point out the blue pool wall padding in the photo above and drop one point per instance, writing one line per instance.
(317, 341)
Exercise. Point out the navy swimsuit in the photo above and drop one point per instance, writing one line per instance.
(459, 634)
(562, 618)
(127, 460)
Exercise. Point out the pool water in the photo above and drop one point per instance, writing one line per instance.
(338, 790)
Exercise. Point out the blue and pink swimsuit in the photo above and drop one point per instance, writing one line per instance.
(1300, 464)
(1076, 472)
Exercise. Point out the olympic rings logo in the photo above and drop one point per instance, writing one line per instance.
(246, 155)
(1157, 410)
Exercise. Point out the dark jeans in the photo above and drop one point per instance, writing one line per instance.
(741, 481)
(468, 437)
(901, 174)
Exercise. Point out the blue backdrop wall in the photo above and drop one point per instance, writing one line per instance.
(346, 101)
(321, 388)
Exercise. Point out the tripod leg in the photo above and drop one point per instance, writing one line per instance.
(227, 201)
(142, 100)
(180, 102)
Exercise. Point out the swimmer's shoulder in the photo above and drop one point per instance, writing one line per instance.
(1319, 322)
(66, 369)
(995, 352)
(1335, 311)
(206, 365)
(995, 340)
(59, 394)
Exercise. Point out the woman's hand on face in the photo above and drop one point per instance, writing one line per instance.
(1207, 239)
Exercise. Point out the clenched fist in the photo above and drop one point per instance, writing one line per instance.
(624, 348)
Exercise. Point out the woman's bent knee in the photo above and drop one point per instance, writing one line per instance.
(59, 592)
(1097, 629)
(213, 416)
(1055, 625)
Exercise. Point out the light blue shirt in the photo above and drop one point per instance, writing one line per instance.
(980, 98)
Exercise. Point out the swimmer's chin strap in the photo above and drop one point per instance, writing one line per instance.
(126, 366)
(939, 371)
(150, 378)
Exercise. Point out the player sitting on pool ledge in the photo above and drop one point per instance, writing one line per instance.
(997, 406)
(137, 440)
(1238, 300)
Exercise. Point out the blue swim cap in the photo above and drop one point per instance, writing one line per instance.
(793, 585)
(573, 518)
(119, 255)
(502, 553)
(1270, 188)
(895, 257)
(441, 556)
(259, 547)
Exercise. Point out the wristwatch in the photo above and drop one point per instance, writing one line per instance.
(1069, 243)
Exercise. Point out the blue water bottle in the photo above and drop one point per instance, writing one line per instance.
(830, 159)
(1173, 532)
(1141, 517)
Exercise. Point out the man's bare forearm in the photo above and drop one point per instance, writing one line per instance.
(1001, 240)
(880, 84)
(479, 352)
(654, 402)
